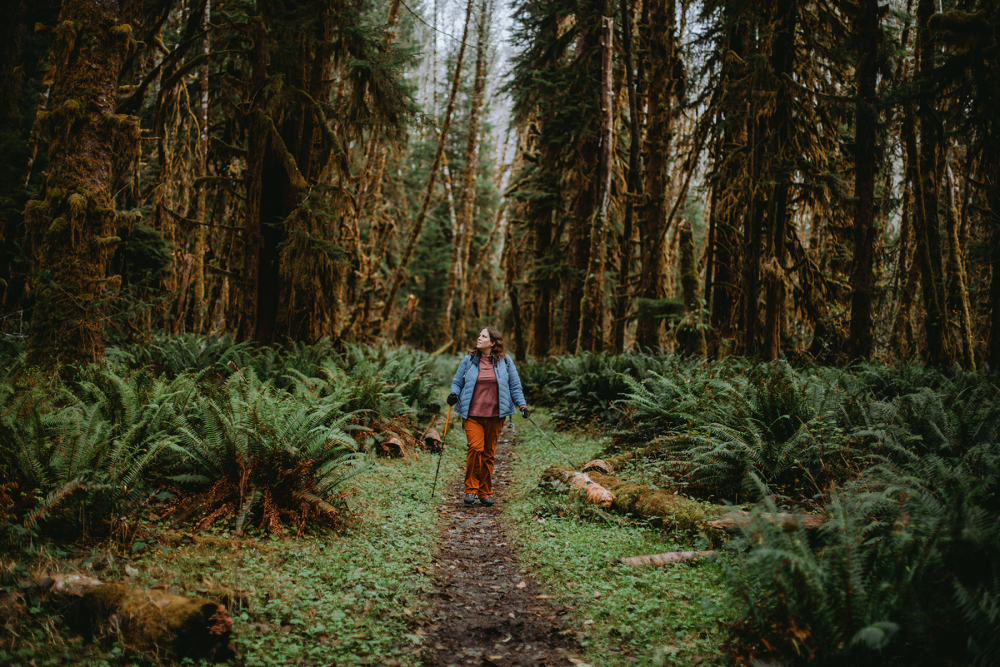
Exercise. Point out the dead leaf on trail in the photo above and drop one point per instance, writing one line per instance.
(522, 584)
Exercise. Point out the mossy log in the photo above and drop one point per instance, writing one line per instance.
(738, 521)
(661, 508)
(598, 465)
(579, 482)
(148, 620)
(659, 560)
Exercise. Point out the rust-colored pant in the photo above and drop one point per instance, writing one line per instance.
(482, 434)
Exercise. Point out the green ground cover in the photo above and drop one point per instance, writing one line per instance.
(622, 615)
(328, 598)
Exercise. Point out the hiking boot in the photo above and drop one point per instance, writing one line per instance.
(469, 498)
(487, 500)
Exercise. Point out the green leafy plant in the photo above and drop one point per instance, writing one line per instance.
(266, 458)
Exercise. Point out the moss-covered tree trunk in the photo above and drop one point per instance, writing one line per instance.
(722, 282)
(783, 153)
(928, 226)
(865, 157)
(72, 230)
(958, 292)
(691, 335)
(634, 187)
(591, 333)
(662, 70)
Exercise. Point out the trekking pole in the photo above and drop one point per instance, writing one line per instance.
(552, 443)
(441, 454)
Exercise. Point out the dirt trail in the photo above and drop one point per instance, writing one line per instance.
(489, 612)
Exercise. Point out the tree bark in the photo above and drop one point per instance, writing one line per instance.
(929, 229)
(958, 292)
(690, 335)
(635, 181)
(591, 333)
(652, 232)
(865, 163)
(200, 304)
(782, 64)
(726, 212)
(72, 231)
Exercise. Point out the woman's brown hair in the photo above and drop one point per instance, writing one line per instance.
(496, 339)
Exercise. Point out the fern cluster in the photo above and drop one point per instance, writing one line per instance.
(203, 430)
(905, 463)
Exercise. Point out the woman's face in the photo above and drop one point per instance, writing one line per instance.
(484, 343)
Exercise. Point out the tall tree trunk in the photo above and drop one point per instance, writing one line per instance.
(992, 180)
(400, 273)
(72, 231)
(726, 212)
(865, 164)
(256, 151)
(544, 287)
(752, 236)
(635, 181)
(690, 335)
(458, 280)
(932, 269)
(652, 233)
(958, 292)
(591, 333)
(781, 168)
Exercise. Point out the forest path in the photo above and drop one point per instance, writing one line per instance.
(488, 611)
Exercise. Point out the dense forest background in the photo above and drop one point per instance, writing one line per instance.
(784, 177)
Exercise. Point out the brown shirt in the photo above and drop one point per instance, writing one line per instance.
(486, 395)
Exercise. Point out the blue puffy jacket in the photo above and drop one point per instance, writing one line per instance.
(508, 384)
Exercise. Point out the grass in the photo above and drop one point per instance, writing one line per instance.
(621, 615)
(344, 599)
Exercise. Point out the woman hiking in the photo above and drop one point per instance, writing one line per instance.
(486, 389)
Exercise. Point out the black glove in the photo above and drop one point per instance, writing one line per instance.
(524, 412)
(452, 399)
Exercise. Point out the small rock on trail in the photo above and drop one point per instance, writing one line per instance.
(488, 611)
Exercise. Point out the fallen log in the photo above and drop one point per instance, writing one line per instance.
(598, 465)
(433, 441)
(737, 521)
(152, 621)
(579, 482)
(661, 507)
(659, 560)
(393, 447)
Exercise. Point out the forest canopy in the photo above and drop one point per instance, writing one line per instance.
(777, 179)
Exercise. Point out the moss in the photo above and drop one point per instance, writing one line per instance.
(662, 508)
(122, 30)
(58, 226)
(157, 621)
(109, 241)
